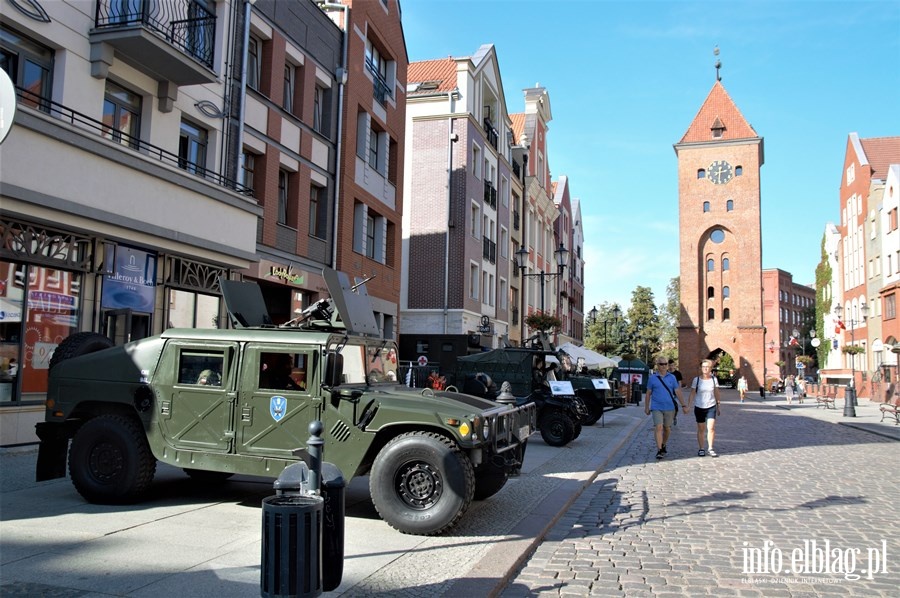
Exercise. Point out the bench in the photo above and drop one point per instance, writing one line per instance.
(891, 408)
(826, 397)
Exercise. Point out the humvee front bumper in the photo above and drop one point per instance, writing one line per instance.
(510, 426)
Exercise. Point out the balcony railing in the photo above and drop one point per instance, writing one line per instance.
(490, 194)
(186, 24)
(127, 141)
(381, 90)
(490, 132)
(489, 250)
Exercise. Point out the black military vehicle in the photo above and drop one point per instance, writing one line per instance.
(240, 401)
(532, 374)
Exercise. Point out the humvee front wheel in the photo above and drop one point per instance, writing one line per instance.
(557, 428)
(421, 483)
(110, 461)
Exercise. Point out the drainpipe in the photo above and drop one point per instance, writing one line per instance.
(341, 76)
(248, 6)
(452, 138)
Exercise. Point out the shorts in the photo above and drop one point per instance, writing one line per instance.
(666, 418)
(701, 414)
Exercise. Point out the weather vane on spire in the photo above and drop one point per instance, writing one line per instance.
(718, 63)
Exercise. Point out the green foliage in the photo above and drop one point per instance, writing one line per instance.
(605, 334)
(726, 362)
(542, 321)
(644, 323)
(670, 314)
(806, 360)
(823, 303)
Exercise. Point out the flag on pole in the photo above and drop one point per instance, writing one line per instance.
(793, 342)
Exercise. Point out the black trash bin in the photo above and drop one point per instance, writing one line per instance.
(291, 546)
(333, 485)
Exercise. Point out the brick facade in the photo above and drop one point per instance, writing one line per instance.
(720, 241)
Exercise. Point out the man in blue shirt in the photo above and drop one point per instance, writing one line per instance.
(662, 390)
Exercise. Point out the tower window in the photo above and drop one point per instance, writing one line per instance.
(729, 205)
(710, 292)
(717, 236)
(726, 292)
(726, 314)
(705, 206)
(738, 171)
(710, 265)
(701, 174)
(726, 264)
(710, 314)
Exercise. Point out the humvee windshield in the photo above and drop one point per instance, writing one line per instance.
(370, 363)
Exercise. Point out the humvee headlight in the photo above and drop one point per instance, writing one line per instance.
(464, 429)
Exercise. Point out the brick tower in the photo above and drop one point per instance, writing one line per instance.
(719, 161)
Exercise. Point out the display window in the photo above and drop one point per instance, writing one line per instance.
(39, 307)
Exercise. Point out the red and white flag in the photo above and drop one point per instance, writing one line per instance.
(793, 342)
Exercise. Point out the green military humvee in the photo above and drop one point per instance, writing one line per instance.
(239, 401)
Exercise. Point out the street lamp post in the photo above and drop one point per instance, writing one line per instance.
(521, 256)
(615, 313)
(850, 399)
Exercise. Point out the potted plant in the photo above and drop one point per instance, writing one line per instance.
(542, 321)
(852, 349)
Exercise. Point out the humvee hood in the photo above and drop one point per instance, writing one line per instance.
(121, 363)
(412, 398)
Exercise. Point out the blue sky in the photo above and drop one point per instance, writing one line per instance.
(627, 78)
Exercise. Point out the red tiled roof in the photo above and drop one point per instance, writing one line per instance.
(442, 71)
(881, 153)
(518, 125)
(718, 110)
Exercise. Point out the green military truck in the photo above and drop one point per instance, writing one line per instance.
(240, 401)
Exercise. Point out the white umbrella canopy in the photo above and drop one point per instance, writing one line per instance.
(592, 359)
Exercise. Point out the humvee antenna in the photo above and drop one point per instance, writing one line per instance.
(361, 283)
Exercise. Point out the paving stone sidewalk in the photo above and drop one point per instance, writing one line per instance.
(687, 525)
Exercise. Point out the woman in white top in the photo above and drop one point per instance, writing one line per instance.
(706, 390)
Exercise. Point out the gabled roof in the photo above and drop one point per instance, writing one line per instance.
(518, 126)
(881, 153)
(431, 76)
(718, 112)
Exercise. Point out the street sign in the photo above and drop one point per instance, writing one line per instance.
(422, 360)
(800, 365)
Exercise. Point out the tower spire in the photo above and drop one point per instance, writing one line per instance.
(718, 63)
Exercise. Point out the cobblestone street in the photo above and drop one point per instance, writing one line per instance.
(688, 525)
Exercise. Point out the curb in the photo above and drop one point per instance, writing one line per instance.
(492, 573)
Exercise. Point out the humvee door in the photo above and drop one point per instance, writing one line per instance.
(198, 414)
(278, 398)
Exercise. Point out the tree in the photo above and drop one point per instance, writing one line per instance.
(670, 313)
(644, 324)
(823, 304)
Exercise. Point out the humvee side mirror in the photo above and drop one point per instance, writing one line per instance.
(334, 369)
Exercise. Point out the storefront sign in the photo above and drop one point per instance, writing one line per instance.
(133, 283)
(286, 274)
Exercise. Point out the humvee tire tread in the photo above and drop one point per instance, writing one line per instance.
(110, 460)
(439, 483)
(557, 428)
(78, 344)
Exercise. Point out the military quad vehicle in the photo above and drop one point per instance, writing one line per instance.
(240, 401)
(561, 412)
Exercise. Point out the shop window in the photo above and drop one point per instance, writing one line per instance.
(192, 310)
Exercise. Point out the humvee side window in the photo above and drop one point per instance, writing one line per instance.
(202, 368)
(371, 364)
(283, 371)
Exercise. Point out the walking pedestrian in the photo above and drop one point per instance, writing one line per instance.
(790, 388)
(705, 388)
(662, 388)
(673, 369)
(742, 387)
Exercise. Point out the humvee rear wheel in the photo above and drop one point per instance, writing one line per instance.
(489, 480)
(208, 477)
(421, 483)
(557, 428)
(110, 461)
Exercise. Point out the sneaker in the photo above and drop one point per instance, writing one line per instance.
(701, 453)
(664, 451)
(660, 454)
(712, 453)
